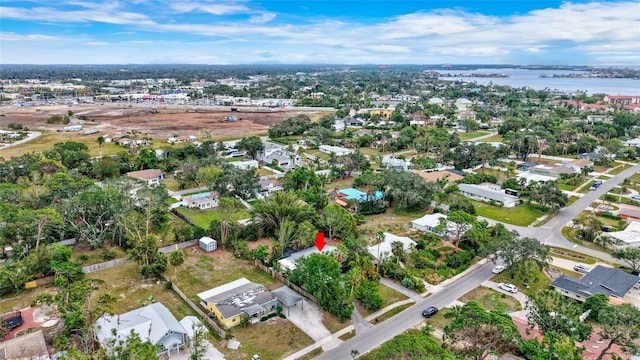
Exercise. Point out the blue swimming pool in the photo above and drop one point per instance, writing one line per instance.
(355, 194)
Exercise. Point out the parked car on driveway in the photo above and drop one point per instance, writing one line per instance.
(508, 287)
(430, 311)
(581, 268)
(498, 269)
(635, 197)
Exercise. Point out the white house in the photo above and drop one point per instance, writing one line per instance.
(383, 250)
(289, 263)
(463, 104)
(202, 201)
(279, 156)
(391, 162)
(339, 151)
(488, 193)
(153, 323)
(429, 222)
(629, 237)
(245, 164)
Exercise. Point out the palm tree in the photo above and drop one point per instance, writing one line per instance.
(100, 142)
(176, 259)
(282, 205)
(377, 240)
(397, 249)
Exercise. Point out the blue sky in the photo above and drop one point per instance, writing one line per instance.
(320, 32)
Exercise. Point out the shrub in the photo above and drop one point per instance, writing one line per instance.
(58, 119)
(168, 285)
(108, 255)
(459, 259)
(408, 283)
(368, 294)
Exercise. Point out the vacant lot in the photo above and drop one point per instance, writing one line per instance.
(272, 340)
(492, 300)
(522, 215)
(202, 271)
(203, 218)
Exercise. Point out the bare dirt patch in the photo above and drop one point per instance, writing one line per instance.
(161, 121)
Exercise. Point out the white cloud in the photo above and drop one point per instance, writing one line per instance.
(597, 30)
(262, 18)
(97, 43)
(24, 37)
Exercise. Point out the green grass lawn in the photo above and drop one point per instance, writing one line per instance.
(264, 172)
(464, 136)
(373, 152)
(492, 300)
(389, 296)
(203, 218)
(536, 279)
(494, 138)
(522, 215)
(619, 168)
(569, 234)
(391, 313)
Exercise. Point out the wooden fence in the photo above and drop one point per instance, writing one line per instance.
(197, 309)
(278, 276)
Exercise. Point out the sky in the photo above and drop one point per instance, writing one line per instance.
(579, 32)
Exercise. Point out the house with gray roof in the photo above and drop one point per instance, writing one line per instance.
(489, 193)
(601, 280)
(239, 299)
(153, 323)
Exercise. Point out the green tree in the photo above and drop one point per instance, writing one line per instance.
(320, 275)
(630, 255)
(282, 205)
(594, 304)
(132, 348)
(252, 145)
(106, 168)
(408, 190)
(476, 333)
(550, 195)
(621, 326)
(549, 310)
(199, 342)
(521, 255)
(461, 220)
(554, 346)
(336, 220)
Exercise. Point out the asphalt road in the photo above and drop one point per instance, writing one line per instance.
(386, 330)
(550, 233)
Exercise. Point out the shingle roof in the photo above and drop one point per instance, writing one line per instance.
(602, 279)
(151, 323)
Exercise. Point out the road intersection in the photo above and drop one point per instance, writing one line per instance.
(550, 234)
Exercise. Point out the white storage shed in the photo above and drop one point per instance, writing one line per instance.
(208, 244)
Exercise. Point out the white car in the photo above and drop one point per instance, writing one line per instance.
(498, 269)
(508, 287)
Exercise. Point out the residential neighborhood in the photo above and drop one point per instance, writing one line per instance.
(318, 225)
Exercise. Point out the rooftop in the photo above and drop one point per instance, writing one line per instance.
(602, 279)
(147, 174)
(236, 297)
(630, 235)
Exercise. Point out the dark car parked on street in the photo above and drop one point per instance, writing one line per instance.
(430, 311)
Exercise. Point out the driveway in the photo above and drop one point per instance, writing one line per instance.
(308, 320)
(211, 354)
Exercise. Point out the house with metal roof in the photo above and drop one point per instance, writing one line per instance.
(153, 323)
(382, 250)
(489, 193)
(601, 280)
(629, 237)
(239, 299)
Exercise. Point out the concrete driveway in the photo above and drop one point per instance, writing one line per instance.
(308, 320)
(211, 354)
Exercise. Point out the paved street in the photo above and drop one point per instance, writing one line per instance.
(550, 233)
(383, 332)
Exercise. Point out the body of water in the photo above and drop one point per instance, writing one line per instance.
(519, 78)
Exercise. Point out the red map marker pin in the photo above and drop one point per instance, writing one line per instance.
(320, 241)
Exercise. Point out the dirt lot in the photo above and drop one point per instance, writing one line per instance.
(168, 121)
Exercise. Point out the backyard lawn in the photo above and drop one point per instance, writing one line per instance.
(494, 138)
(203, 218)
(202, 271)
(273, 339)
(492, 300)
(522, 215)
